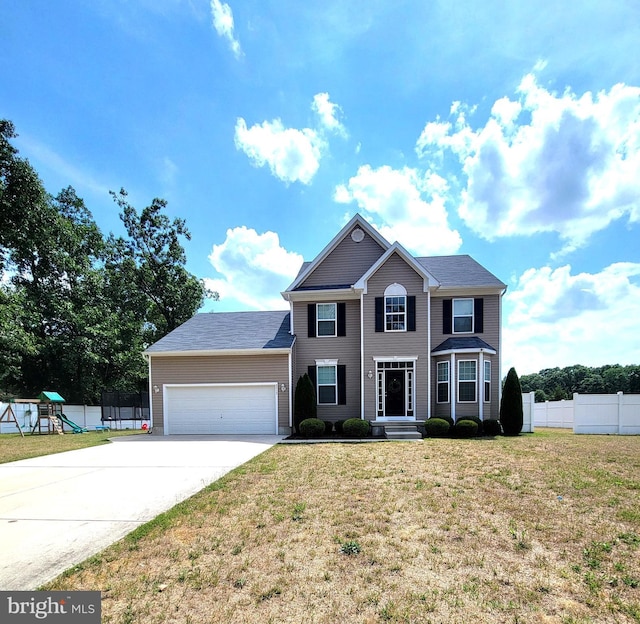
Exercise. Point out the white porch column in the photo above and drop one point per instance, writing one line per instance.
(452, 382)
(481, 386)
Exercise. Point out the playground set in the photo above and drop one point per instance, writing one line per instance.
(49, 417)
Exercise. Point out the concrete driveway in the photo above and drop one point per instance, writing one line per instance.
(56, 511)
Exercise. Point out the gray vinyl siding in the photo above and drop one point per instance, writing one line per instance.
(220, 369)
(491, 335)
(402, 344)
(346, 264)
(345, 349)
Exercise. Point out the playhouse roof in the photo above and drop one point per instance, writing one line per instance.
(50, 397)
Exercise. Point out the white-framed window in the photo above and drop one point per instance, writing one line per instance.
(467, 381)
(395, 308)
(487, 381)
(327, 382)
(395, 313)
(443, 382)
(326, 319)
(462, 316)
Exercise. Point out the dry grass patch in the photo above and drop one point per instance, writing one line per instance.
(539, 528)
(14, 447)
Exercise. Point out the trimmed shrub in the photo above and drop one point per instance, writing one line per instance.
(436, 427)
(328, 427)
(492, 427)
(511, 414)
(304, 401)
(312, 428)
(476, 420)
(447, 418)
(466, 428)
(338, 425)
(356, 428)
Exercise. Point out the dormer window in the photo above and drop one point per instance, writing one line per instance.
(395, 308)
(326, 319)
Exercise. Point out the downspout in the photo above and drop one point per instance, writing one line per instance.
(148, 357)
(428, 354)
(362, 373)
(289, 384)
(500, 350)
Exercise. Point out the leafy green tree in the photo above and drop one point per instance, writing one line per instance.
(148, 271)
(76, 311)
(304, 401)
(511, 411)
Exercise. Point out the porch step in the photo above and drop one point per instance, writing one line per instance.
(402, 432)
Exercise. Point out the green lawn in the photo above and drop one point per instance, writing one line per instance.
(537, 528)
(14, 447)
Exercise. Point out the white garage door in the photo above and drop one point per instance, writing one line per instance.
(210, 409)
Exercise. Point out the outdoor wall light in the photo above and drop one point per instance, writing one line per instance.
(156, 389)
(283, 387)
(370, 374)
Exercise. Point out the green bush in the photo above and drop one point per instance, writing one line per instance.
(447, 418)
(328, 427)
(356, 428)
(511, 413)
(466, 428)
(436, 427)
(312, 428)
(476, 420)
(304, 401)
(338, 426)
(492, 427)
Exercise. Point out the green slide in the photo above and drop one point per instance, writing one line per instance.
(75, 428)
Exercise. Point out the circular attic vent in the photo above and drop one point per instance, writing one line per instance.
(357, 235)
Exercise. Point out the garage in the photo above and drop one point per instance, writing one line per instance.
(221, 408)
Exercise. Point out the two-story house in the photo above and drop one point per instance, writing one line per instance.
(384, 335)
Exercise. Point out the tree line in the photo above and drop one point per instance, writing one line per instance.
(555, 384)
(77, 307)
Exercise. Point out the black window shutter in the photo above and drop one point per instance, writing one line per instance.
(478, 315)
(342, 319)
(446, 316)
(342, 384)
(411, 313)
(311, 320)
(379, 314)
(312, 374)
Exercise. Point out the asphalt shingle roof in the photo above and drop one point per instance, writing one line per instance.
(214, 331)
(459, 271)
(469, 342)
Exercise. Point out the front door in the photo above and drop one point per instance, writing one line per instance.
(394, 398)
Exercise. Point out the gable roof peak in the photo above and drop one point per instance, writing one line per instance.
(356, 221)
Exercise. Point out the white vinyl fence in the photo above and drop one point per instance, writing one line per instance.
(590, 413)
(87, 416)
(553, 414)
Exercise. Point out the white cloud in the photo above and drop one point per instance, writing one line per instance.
(405, 206)
(292, 155)
(222, 18)
(555, 318)
(545, 162)
(254, 268)
(327, 111)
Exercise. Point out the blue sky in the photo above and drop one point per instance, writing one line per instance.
(506, 130)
